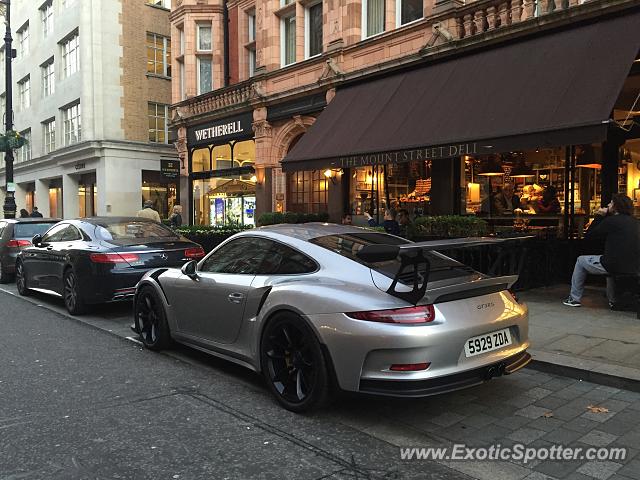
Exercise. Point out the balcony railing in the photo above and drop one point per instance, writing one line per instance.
(220, 99)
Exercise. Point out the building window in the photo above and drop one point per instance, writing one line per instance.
(160, 3)
(372, 17)
(49, 135)
(23, 40)
(46, 13)
(205, 81)
(158, 55)
(23, 154)
(24, 93)
(204, 38)
(182, 80)
(408, 11)
(71, 124)
(288, 40)
(182, 41)
(158, 114)
(48, 78)
(251, 39)
(313, 30)
(252, 62)
(71, 55)
(251, 16)
(308, 192)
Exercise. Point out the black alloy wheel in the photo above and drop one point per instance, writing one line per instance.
(5, 277)
(293, 364)
(21, 279)
(151, 320)
(71, 293)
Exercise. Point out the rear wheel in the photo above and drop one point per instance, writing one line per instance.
(73, 299)
(293, 364)
(5, 277)
(151, 320)
(21, 279)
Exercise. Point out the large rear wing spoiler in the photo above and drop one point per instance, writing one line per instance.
(412, 257)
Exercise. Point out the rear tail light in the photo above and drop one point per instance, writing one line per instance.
(18, 243)
(195, 252)
(408, 315)
(409, 367)
(114, 257)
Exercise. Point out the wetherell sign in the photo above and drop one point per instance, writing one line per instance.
(221, 130)
(426, 153)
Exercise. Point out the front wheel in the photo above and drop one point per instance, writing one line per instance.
(21, 279)
(71, 292)
(151, 320)
(293, 364)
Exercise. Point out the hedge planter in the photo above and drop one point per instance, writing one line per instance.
(209, 237)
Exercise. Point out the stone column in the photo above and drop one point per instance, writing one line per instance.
(41, 199)
(20, 196)
(70, 202)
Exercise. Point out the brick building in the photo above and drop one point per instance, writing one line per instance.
(416, 102)
(92, 91)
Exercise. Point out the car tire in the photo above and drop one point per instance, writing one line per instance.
(21, 280)
(293, 364)
(151, 319)
(71, 294)
(5, 277)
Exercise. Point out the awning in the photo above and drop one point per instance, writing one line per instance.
(550, 90)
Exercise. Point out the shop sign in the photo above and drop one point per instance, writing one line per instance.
(170, 168)
(417, 154)
(80, 166)
(221, 130)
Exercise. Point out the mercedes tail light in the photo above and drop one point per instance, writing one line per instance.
(114, 257)
(195, 252)
(18, 243)
(406, 316)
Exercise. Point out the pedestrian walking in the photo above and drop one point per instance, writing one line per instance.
(149, 212)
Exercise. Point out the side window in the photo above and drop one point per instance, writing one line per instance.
(55, 234)
(70, 234)
(241, 257)
(283, 260)
(2, 225)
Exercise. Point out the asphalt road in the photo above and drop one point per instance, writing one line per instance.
(78, 400)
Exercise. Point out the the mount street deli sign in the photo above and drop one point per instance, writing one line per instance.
(221, 130)
(417, 154)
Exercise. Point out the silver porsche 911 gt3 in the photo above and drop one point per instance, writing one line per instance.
(316, 307)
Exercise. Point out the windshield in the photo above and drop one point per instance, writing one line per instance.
(126, 232)
(29, 230)
(348, 245)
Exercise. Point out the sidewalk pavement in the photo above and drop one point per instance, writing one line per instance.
(590, 342)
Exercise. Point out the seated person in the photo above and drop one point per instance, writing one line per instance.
(621, 234)
(506, 201)
(549, 202)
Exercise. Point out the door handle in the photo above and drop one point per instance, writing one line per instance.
(49, 248)
(235, 297)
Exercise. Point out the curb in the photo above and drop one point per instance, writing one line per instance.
(611, 375)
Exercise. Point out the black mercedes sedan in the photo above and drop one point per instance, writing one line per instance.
(98, 260)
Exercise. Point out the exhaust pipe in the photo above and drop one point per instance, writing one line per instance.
(495, 371)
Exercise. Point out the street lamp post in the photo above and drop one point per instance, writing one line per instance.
(9, 206)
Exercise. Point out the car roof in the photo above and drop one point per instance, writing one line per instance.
(308, 231)
(31, 220)
(109, 220)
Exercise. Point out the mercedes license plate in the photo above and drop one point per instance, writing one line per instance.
(487, 343)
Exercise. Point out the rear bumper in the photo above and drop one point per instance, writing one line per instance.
(422, 388)
(9, 262)
(112, 287)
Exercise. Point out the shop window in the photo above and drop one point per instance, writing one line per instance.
(201, 160)
(244, 154)
(372, 17)
(158, 55)
(313, 30)
(408, 11)
(288, 40)
(87, 196)
(221, 157)
(55, 202)
(163, 192)
(308, 192)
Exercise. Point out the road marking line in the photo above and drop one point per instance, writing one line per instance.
(135, 340)
(7, 291)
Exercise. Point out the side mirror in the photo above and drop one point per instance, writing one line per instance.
(36, 240)
(189, 269)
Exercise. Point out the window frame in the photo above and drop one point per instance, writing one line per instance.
(156, 117)
(48, 77)
(399, 15)
(365, 23)
(48, 134)
(307, 30)
(166, 52)
(46, 17)
(24, 93)
(198, 78)
(66, 134)
(70, 48)
(200, 26)
(25, 153)
(283, 37)
(23, 40)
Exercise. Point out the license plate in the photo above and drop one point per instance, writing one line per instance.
(487, 343)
